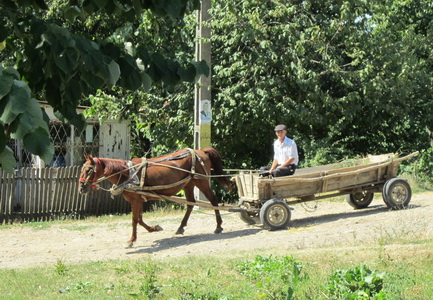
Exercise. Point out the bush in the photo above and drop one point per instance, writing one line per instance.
(422, 168)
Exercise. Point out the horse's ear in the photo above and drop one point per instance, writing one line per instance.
(88, 157)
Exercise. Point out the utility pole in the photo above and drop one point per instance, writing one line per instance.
(202, 93)
(202, 97)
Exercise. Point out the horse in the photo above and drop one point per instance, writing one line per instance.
(156, 178)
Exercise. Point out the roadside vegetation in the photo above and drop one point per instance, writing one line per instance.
(322, 274)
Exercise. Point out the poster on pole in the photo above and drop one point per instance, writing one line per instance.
(205, 122)
(205, 112)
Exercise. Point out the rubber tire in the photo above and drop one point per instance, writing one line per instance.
(397, 193)
(360, 200)
(249, 218)
(384, 195)
(275, 214)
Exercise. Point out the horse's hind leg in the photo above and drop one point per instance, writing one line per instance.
(204, 187)
(189, 194)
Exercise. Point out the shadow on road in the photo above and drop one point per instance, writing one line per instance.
(178, 241)
(317, 220)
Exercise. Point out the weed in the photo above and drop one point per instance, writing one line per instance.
(357, 283)
(60, 267)
(82, 287)
(148, 281)
(277, 276)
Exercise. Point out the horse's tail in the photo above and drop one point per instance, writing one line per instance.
(217, 166)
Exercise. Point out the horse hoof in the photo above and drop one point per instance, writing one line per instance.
(218, 230)
(158, 228)
(180, 231)
(129, 245)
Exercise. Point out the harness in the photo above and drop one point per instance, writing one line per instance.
(133, 184)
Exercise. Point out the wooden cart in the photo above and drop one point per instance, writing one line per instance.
(267, 200)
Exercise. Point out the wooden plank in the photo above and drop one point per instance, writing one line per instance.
(48, 193)
(67, 187)
(25, 216)
(3, 197)
(39, 207)
(56, 203)
(51, 177)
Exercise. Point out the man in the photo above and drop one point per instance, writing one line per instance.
(285, 155)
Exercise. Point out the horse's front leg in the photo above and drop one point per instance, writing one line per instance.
(133, 238)
(189, 194)
(137, 211)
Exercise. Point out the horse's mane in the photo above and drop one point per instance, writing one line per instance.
(114, 166)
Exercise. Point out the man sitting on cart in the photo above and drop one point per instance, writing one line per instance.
(286, 156)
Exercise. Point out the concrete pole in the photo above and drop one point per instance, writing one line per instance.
(202, 97)
(202, 93)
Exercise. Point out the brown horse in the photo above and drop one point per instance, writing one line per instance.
(152, 179)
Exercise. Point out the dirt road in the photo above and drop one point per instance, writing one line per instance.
(329, 224)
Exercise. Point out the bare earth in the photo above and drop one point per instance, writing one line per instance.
(331, 224)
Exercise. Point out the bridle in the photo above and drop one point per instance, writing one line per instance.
(90, 175)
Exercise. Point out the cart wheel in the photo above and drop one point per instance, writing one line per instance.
(250, 218)
(397, 193)
(275, 214)
(384, 194)
(360, 199)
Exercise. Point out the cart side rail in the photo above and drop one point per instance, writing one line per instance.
(250, 186)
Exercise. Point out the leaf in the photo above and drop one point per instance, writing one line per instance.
(5, 85)
(12, 72)
(71, 116)
(2, 44)
(130, 76)
(2, 138)
(113, 72)
(147, 81)
(41, 4)
(28, 121)
(188, 73)
(202, 68)
(39, 143)
(100, 3)
(172, 7)
(68, 60)
(7, 160)
(17, 102)
(71, 13)
(89, 78)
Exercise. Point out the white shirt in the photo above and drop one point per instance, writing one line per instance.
(285, 150)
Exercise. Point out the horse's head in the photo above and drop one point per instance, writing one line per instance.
(88, 176)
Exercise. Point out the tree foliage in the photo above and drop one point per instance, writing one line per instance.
(341, 74)
(64, 51)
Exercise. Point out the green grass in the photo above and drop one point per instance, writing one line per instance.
(304, 274)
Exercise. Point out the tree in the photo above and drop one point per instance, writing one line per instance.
(344, 78)
(61, 52)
